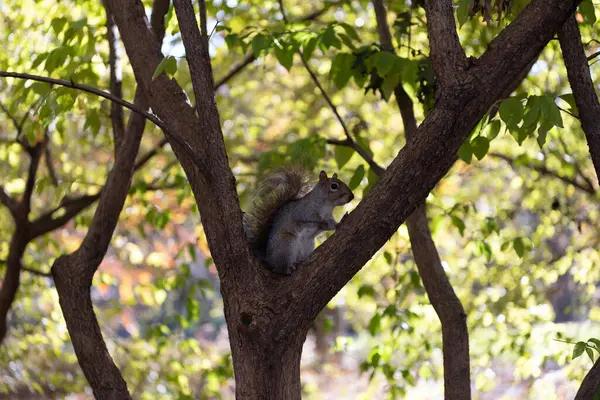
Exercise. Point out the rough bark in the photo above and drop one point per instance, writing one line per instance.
(264, 311)
(116, 111)
(591, 384)
(582, 85)
(20, 238)
(11, 281)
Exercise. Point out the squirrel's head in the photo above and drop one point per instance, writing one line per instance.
(337, 191)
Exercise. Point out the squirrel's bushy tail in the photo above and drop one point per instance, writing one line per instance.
(278, 188)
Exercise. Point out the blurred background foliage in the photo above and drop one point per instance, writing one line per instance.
(515, 221)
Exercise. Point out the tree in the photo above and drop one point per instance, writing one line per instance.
(269, 316)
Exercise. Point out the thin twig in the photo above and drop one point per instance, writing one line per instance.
(37, 272)
(108, 96)
(544, 171)
(568, 112)
(349, 141)
(88, 89)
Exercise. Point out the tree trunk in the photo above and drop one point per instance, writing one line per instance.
(267, 369)
(73, 285)
(10, 284)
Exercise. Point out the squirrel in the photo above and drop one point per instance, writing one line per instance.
(288, 214)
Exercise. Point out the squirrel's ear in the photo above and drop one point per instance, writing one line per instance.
(322, 176)
(334, 176)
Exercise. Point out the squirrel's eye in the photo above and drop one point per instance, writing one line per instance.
(334, 186)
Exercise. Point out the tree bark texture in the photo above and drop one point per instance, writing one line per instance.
(21, 237)
(12, 277)
(268, 315)
(582, 85)
(590, 387)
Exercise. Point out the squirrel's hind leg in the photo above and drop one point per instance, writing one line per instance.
(281, 260)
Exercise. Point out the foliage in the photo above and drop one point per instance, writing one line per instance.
(514, 224)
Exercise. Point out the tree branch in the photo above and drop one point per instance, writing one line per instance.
(214, 187)
(184, 146)
(12, 118)
(36, 155)
(47, 223)
(450, 311)
(591, 383)
(581, 82)
(447, 56)
(49, 164)
(88, 89)
(545, 171)
(9, 202)
(73, 273)
(12, 278)
(116, 111)
(37, 272)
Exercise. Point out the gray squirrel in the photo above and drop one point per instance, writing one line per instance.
(288, 213)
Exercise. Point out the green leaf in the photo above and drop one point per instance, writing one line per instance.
(383, 62)
(56, 59)
(491, 225)
(550, 111)
(365, 290)
(343, 154)
(284, 56)
(350, 31)
(493, 129)
(465, 152)
(93, 122)
(193, 309)
(347, 41)
(511, 112)
(542, 136)
(231, 40)
(372, 177)
(459, 223)
(363, 142)
(480, 146)
(309, 47)
(167, 65)
(588, 12)
(357, 177)
(570, 99)
(590, 353)
(260, 42)
(533, 113)
(41, 88)
(462, 12)
(329, 38)
(58, 24)
(596, 343)
(578, 349)
(375, 324)
(341, 69)
(505, 245)
(520, 245)
(388, 257)
(327, 325)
